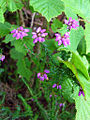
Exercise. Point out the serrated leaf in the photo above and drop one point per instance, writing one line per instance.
(19, 46)
(4, 29)
(87, 37)
(9, 38)
(14, 5)
(67, 90)
(85, 83)
(23, 70)
(82, 107)
(48, 8)
(80, 7)
(70, 13)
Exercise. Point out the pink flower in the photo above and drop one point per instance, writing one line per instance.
(71, 23)
(81, 92)
(43, 76)
(46, 71)
(63, 40)
(39, 35)
(20, 32)
(58, 86)
(2, 57)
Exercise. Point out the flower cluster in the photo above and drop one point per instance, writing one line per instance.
(2, 57)
(81, 92)
(39, 35)
(43, 76)
(63, 40)
(61, 104)
(20, 32)
(71, 23)
(58, 86)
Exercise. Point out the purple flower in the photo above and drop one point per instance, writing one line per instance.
(50, 96)
(81, 92)
(20, 32)
(39, 35)
(58, 86)
(71, 23)
(46, 71)
(43, 76)
(63, 40)
(38, 75)
(2, 57)
(61, 105)
(54, 85)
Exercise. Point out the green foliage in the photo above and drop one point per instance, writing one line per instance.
(23, 70)
(48, 8)
(9, 38)
(11, 5)
(87, 37)
(82, 47)
(4, 29)
(84, 82)
(70, 13)
(14, 5)
(56, 24)
(67, 87)
(75, 37)
(82, 107)
(63, 30)
(79, 64)
(80, 7)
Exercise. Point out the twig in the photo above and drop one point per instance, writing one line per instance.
(22, 18)
(84, 20)
(32, 21)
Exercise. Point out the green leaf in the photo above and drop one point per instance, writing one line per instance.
(87, 37)
(48, 8)
(79, 64)
(63, 30)
(85, 83)
(67, 90)
(50, 44)
(23, 70)
(15, 54)
(4, 29)
(1, 16)
(9, 38)
(75, 37)
(14, 5)
(27, 106)
(19, 46)
(80, 7)
(70, 13)
(82, 47)
(82, 107)
(56, 24)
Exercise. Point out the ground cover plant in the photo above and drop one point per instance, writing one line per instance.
(44, 60)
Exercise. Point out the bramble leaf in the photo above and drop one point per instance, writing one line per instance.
(48, 8)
